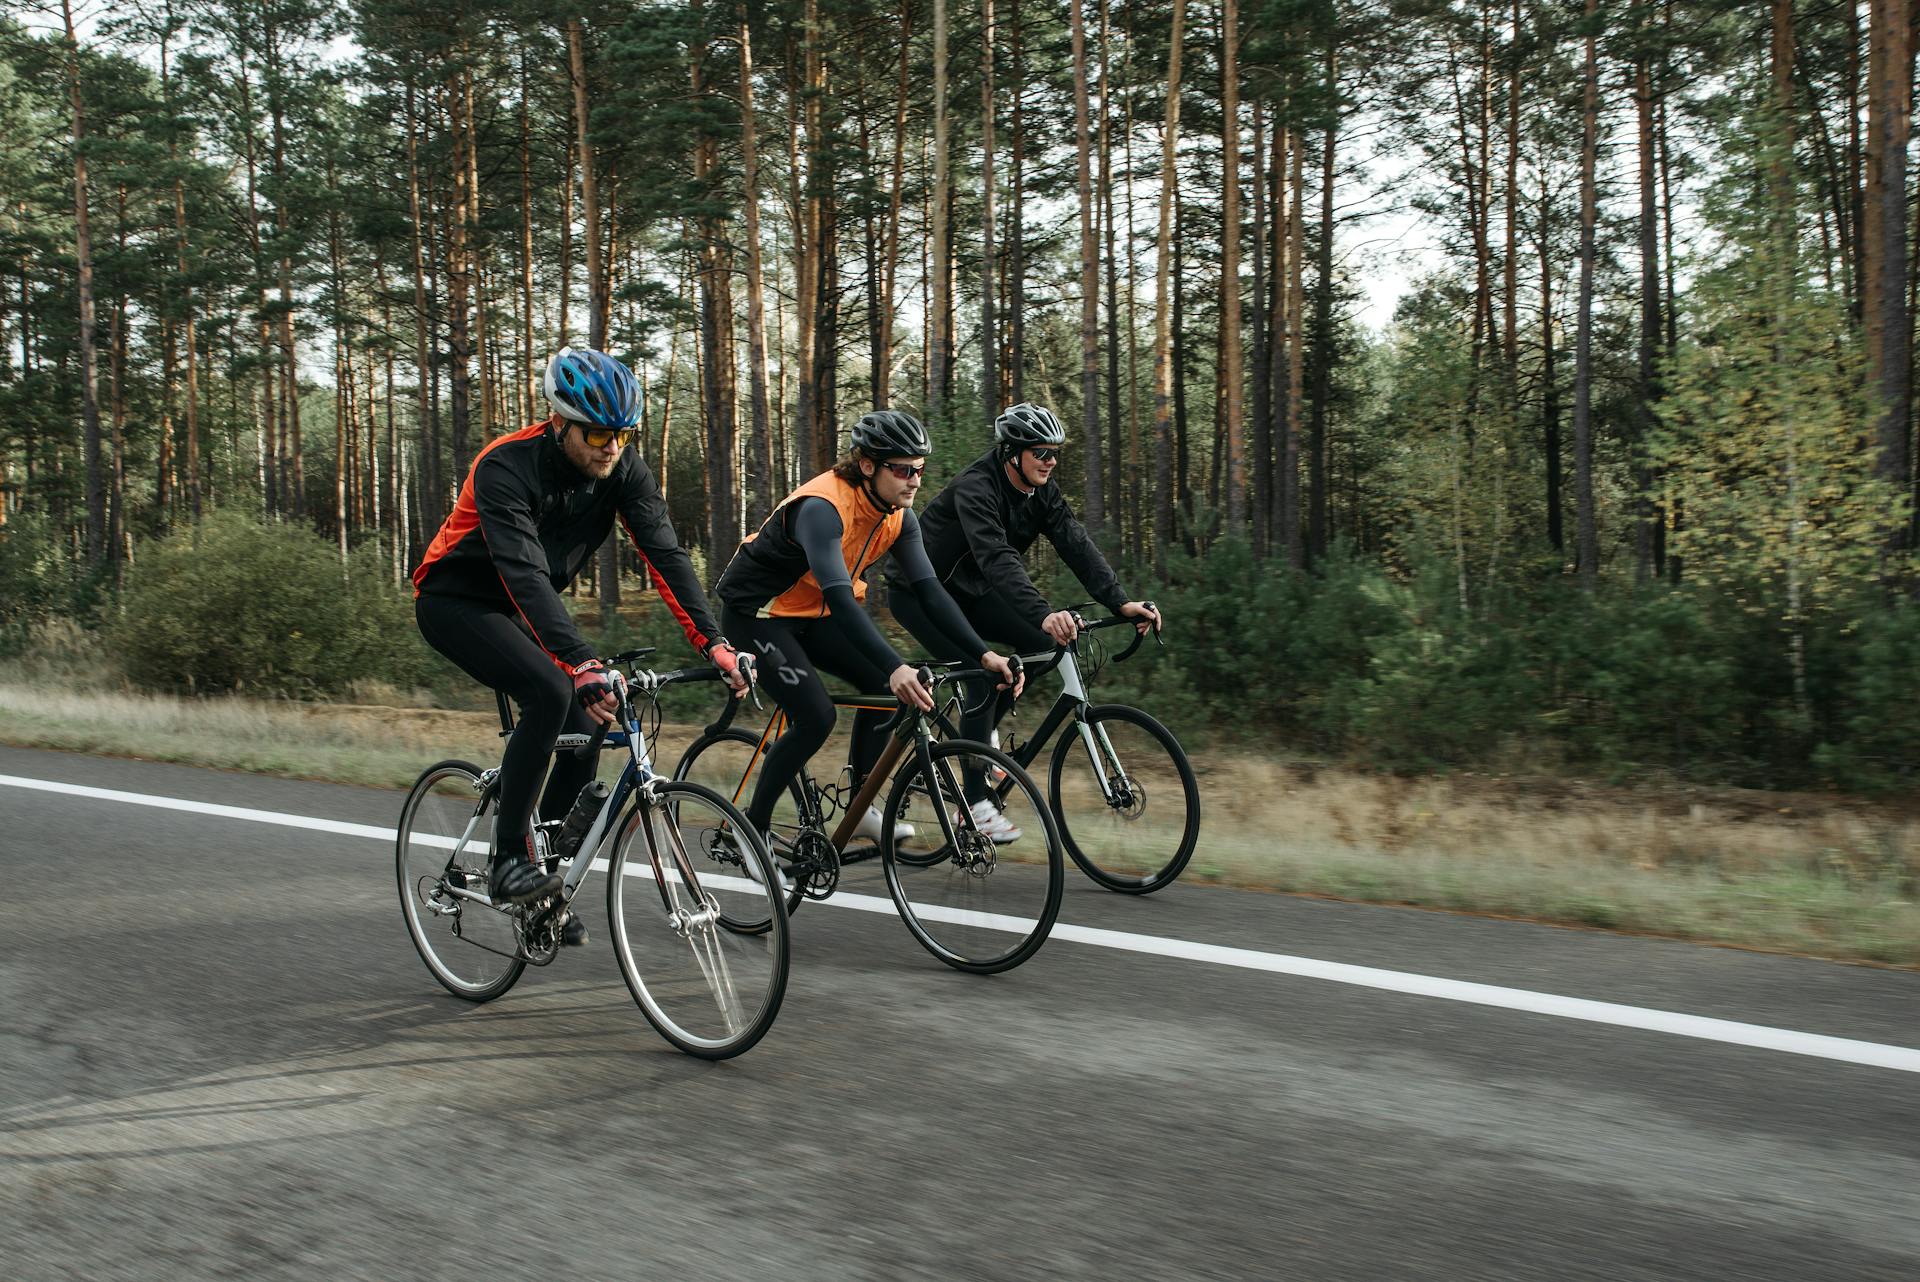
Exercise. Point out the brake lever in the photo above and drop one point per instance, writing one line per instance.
(748, 668)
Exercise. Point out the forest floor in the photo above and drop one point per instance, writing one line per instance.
(1815, 873)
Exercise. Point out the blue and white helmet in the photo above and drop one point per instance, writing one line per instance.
(591, 387)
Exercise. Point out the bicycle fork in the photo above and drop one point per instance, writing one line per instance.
(1100, 753)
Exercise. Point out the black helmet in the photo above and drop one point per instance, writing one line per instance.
(1027, 425)
(886, 434)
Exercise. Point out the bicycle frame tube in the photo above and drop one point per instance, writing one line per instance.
(639, 770)
(881, 772)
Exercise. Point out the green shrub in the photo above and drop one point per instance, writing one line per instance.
(237, 603)
(40, 580)
(1876, 744)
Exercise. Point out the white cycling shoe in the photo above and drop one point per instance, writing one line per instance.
(869, 827)
(988, 819)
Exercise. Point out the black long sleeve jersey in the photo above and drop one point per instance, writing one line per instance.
(526, 522)
(976, 529)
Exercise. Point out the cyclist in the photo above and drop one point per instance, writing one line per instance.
(535, 505)
(975, 531)
(792, 595)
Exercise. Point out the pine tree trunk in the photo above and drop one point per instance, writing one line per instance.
(83, 256)
(883, 357)
(716, 340)
(989, 265)
(1122, 512)
(1231, 368)
(1296, 344)
(1095, 507)
(528, 396)
(940, 319)
(608, 577)
(589, 189)
(1647, 549)
(459, 288)
(1016, 226)
(186, 288)
(1261, 478)
(1318, 495)
(476, 260)
(342, 375)
(294, 472)
(759, 454)
(565, 338)
(428, 484)
(117, 401)
(1510, 293)
(1549, 379)
(1888, 325)
(1163, 309)
(1589, 545)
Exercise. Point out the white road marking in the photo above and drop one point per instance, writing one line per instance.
(1729, 1032)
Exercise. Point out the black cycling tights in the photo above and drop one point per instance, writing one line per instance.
(496, 649)
(1000, 624)
(788, 652)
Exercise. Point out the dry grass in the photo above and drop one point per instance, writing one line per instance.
(1824, 875)
(1815, 874)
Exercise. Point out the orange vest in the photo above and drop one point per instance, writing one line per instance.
(866, 535)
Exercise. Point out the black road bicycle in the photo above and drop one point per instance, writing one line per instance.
(1120, 785)
(977, 904)
(684, 870)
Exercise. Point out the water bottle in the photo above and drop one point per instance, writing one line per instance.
(586, 807)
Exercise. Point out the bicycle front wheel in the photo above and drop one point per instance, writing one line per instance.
(1125, 796)
(443, 844)
(685, 869)
(979, 898)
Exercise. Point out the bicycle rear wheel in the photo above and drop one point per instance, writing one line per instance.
(685, 868)
(1128, 804)
(976, 903)
(728, 762)
(444, 841)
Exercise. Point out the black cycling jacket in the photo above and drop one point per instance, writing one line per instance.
(976, 529)
(526, 522)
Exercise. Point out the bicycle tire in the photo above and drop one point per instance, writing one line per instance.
(1155, 854)
(735, 783)
(963, 908)
(430, 822)
(709, 990)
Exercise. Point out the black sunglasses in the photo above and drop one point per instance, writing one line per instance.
(905, 471)
(1044, 455)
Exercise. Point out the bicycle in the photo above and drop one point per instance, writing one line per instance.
(684, 868)
(1124, 836)
(976, 905)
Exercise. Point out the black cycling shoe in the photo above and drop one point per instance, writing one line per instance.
(517, 883)
(574, 932)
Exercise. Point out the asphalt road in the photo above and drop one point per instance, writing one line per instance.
(220, 1057)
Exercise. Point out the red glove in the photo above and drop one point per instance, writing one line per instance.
(590, 684)
(727, 659)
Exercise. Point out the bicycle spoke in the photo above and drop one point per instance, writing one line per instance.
(709, 986)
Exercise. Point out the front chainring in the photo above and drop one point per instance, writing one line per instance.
(815, 864)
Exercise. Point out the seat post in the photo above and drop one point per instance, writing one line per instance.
(506, 713)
